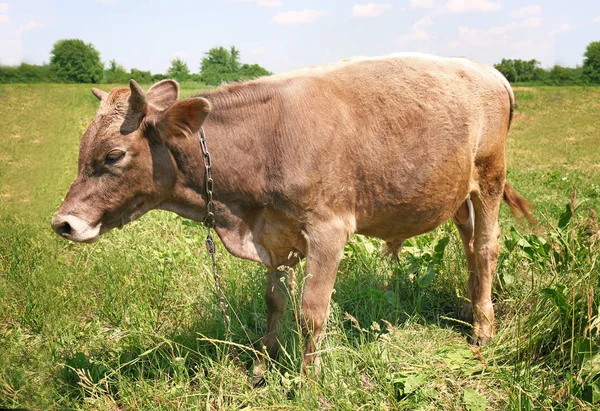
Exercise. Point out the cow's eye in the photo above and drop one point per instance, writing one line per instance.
(114, 156)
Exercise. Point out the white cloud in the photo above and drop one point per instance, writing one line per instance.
(3, 18)
(469, 39)
(236, 1)
(418, 31)
(269, 3)
(465, 6)
(422, 4)
(299, 16)
(494, 36)
(31, 25)
(532, 22)
(499, 30)
(563, 28)
(3, 7)
(370, 9)
(258, 50)
(527, 11)
(596, 20)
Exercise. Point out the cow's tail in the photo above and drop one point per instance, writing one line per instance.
(518, 205)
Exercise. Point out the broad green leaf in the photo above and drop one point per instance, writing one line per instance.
(587, 347)
(589, 359)
(391, 297)
(409, 383)
(557, 297)
(475, 401)
(426, 279)
(413, 382)
(565, 217)
(440, 247)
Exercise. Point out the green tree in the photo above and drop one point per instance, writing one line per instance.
(234, 59)
(142, 77)
(591, 62)
(159, 77)
(75, 61)
(507, 70)
(115, 73)
(179, 70)
(566, 76)
(518, 70)
(539, 74)
(249, 71)
(220, 64)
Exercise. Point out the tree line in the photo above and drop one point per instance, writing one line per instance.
(74, 61)
(529, 71)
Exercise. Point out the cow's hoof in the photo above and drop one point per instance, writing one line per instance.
(481, 337)
(479, 341)
(258, 374)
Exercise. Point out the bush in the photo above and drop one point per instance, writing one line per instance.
(27, 73)
(565, 76)
(221, 65)
(143, 77)
(115, 73)
(74, 61)
(158, 77)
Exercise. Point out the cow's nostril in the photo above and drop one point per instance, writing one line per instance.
(64, 229)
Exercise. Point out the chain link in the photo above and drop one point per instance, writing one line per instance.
(209, 223)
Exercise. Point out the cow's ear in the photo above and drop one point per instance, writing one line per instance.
(164, 92)
(184, 118)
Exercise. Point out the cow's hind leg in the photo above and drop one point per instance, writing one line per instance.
(486, 203)
(464, 219)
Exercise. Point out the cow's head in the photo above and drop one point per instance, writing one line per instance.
(125, 165)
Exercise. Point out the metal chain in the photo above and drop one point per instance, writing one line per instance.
(209, 223)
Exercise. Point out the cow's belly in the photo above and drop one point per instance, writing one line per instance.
(406, 221)
(412, 207)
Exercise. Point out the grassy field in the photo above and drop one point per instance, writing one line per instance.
(131, 322)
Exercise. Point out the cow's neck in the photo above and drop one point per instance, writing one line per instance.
(238, 131)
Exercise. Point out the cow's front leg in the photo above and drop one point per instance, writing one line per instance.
(325, 244)
(276, 298)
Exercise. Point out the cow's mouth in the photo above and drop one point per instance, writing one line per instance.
(138, 207)
(77, 229)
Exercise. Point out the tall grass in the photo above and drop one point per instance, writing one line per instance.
(133, 321)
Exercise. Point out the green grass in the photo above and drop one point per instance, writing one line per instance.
(132, 321)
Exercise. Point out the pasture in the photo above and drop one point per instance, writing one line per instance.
(132, 321)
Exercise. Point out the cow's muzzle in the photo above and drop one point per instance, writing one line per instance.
(74, 228)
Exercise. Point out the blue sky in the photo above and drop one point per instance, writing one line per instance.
(285, 34)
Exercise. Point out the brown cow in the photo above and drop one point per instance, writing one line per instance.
(388, 147)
